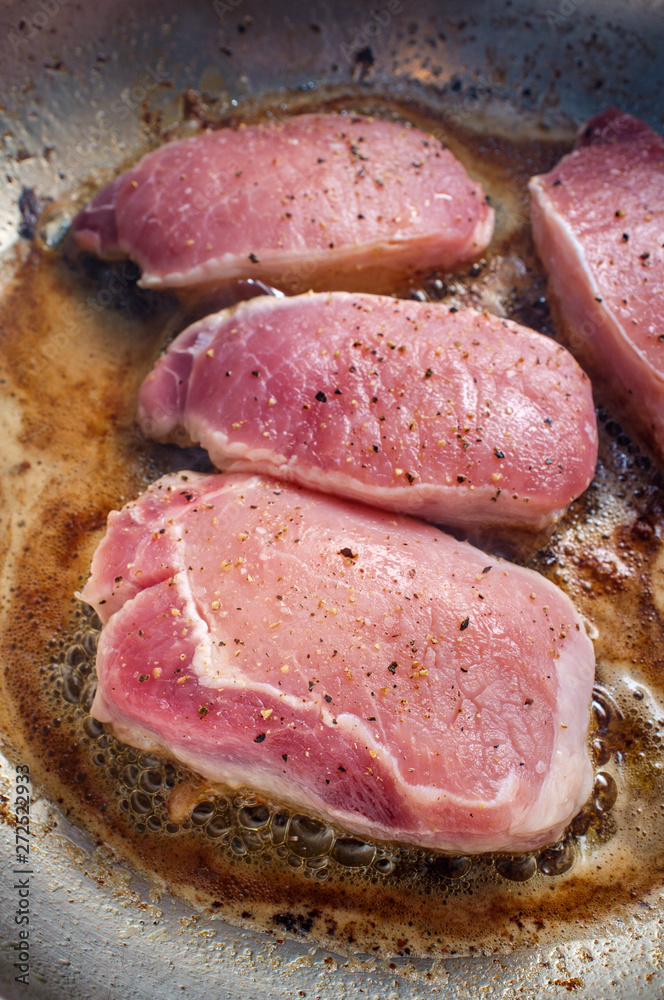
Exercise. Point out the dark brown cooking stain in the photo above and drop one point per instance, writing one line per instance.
(74, 345)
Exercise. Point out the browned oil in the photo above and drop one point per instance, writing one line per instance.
(75, 343)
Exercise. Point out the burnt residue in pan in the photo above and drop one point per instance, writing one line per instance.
(76, 342)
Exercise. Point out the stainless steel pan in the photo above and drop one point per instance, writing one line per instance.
(84, 88)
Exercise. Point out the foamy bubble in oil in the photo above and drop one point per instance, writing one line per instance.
(517, 868)
(247, 829)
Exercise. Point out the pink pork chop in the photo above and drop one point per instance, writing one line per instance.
(365, 667)
(331, 201)
(459, 417)
(598, 223)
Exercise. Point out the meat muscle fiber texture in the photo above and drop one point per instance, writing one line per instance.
(327, 201)
(598, 223)
(459, 417)
(362, 666)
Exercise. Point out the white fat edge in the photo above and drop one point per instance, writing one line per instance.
(198, 630)
(276, 787)
(560, 798)
(569, 777)
(243, 309)
(576, 648)
(221, 450)
(482, 233)
(558, 220)
(260, 304)
(174, 479)
(230, 267)
(204, 334)
(269, 303)
(421, 795)
(211, 665)
(436, 502)
(136, 736)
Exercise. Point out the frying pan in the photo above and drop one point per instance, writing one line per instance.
(84, 88)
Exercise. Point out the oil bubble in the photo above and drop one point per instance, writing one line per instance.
(75, 655)
(88, 693)
(452, 868)
(140, 803)
(517, 868)
(202, 813)
(252, 840)
(605, 792)
(238, 847)
(557, 859)
(150, 781)
(601, 751)
(254, 817)
(279, 827)
(72, 685)
(384, 865)
(130, 775)
(93, 728)
(309, 838)
(217, 826)
(353, 853)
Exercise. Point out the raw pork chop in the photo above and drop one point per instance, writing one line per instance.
(363, 666)
(329, 201)
(598, 222)
(460, 417)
